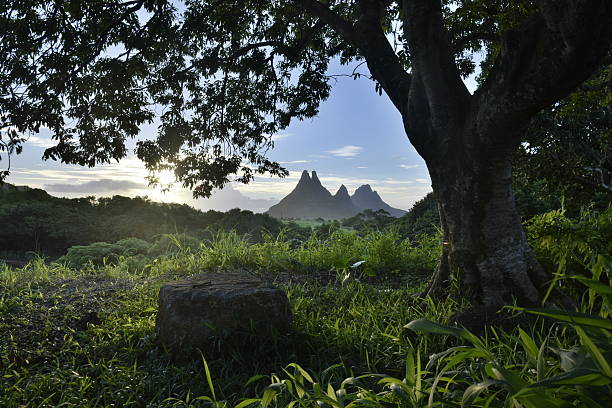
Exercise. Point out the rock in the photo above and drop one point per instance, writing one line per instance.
(192, 311)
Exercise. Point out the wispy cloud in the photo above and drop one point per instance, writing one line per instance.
(281, 136)
(294, 162)
(361, 167)
(422, 180)
(346, 151)
(410, 166)
(40, 141)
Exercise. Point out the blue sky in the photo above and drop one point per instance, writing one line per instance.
(356, 139)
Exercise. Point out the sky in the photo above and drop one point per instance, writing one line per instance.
(357, 138)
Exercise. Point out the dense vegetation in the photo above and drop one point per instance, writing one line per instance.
(33, 220)
(84, 335)
(36, 223)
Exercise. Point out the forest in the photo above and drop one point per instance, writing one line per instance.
(493, 290)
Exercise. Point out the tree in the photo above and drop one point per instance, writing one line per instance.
(229, 74)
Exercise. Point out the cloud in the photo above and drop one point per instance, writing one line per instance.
(281, 136)
(294, 161)
(361, 167)
(95, 186)
(410, 166)
(40, 141)
(346, 151)
(422, 180)
(318, 156)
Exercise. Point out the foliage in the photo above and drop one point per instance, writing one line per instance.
(570, 247)
(567, 150)
(387, 257)
(33, 220)
(229, 75)
(369, 220)
(422, 218)
(168, 244)
(133, 246)
(85, 337)
(98, 253)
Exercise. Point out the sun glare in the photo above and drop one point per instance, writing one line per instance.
(167, 190)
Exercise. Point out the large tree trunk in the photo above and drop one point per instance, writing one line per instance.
(485, 257)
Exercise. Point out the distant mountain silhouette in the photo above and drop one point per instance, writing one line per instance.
(365, 198)
(310, 200)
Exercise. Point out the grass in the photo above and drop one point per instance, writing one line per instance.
(64, 344)
(86, 337)
(305, 223)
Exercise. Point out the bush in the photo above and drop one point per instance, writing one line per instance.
(569, 247)
(97, 254)
(134, 246)
(171, 244)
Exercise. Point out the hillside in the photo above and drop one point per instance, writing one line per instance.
(33, 220)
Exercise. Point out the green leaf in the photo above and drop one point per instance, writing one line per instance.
(269, 393)
(253, 379)
(580, 376)
(594, 351)
(528, 344)
(302, 371)
(541, 361)
(208, 377)
(473, 391)
(410, 368)
(535, 398)
(515, 382)
(427, 326)
(576, 318)
(596, 285)
(248, 402)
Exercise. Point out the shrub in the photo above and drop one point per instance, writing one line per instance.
(97, 254)
(134, 246)
(170, 244)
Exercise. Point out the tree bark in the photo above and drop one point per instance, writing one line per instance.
(485, 255)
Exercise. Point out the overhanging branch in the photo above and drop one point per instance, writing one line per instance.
(433, 59)
(541, 61)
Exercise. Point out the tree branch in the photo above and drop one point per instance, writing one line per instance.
(367, 36)
(382, 61)
(329, 17)
(433, 59)
(541, 61)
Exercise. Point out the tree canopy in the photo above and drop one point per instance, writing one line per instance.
(224, 76)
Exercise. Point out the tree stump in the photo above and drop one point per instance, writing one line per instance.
(193, 311)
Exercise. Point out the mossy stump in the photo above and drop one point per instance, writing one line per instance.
(191, 312)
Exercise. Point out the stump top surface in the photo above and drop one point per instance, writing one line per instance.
(227, 282)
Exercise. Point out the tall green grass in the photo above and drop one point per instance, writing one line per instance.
(385, 254)
(360, 344)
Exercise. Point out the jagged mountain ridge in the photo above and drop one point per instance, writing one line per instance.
(310, 200)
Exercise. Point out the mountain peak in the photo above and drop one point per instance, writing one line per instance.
(315, 179)
(342, 191)
(364, 189)
(305, 176)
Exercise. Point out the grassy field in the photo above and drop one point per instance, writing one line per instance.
(305, 223)
(86, 337)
